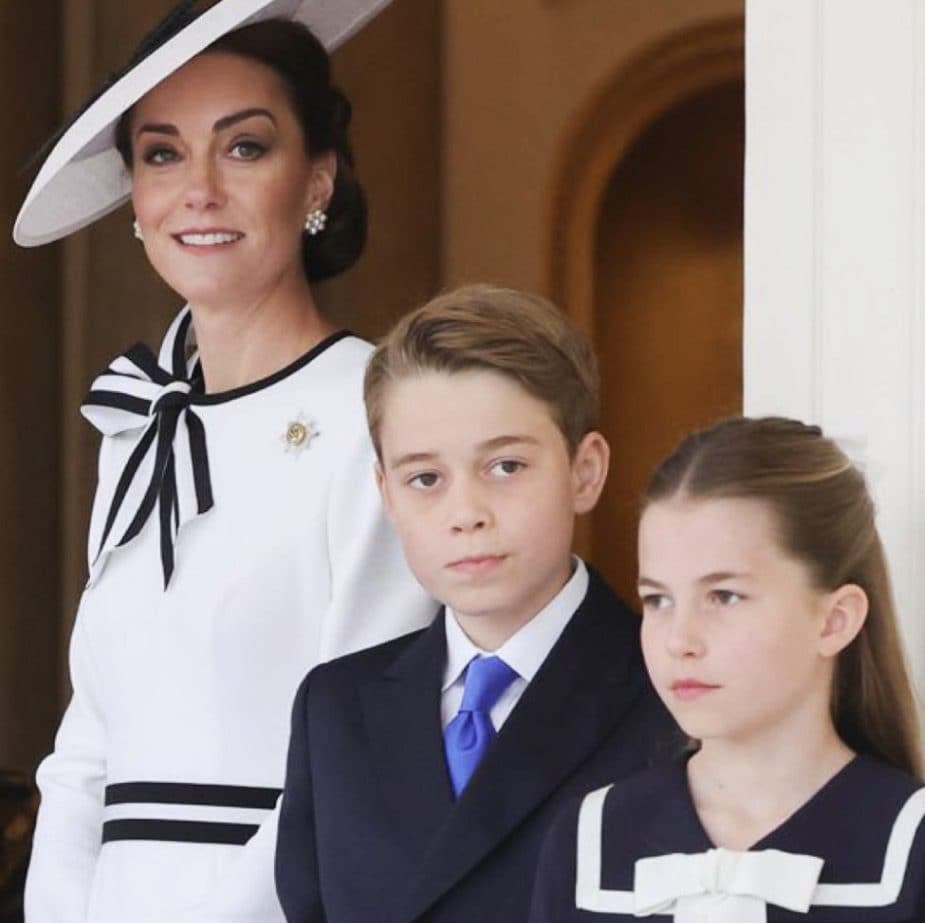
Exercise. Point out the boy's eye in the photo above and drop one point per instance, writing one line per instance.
(156, 155)
(247, 150)
(506, 467)
(725, 597)
(423, 481)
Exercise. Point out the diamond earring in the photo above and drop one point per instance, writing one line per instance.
(315, 221)
(136, 230)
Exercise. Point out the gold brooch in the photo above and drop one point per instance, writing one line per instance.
(299, 434)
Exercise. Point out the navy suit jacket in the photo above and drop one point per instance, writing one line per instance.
(369, 830)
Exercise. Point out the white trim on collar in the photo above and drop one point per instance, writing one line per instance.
(590, 896)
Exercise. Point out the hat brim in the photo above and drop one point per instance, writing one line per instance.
(84, 178)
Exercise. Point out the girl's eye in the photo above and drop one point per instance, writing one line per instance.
(506, 467)
(423, 481)
(247, 150)
(725, 597)
(158, 155)
(652, 602)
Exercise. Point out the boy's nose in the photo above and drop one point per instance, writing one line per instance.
(469, 512)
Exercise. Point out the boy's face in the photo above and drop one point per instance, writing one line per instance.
(477, 480)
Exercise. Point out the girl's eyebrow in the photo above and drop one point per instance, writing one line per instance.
(226, 121)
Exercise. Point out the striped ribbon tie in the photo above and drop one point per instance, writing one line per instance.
(169, 465)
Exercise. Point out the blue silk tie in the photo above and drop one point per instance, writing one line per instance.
(468, 735)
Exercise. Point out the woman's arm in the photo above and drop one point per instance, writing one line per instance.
(71, 780)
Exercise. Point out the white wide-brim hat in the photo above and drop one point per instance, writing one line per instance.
(84, 178)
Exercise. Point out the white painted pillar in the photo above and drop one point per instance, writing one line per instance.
(835, 247)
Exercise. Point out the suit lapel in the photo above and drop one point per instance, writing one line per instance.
(574, 701)
(402, 709)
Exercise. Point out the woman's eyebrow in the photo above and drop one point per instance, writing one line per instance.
(226, 121)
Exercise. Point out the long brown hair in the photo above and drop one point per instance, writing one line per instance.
(825, 518)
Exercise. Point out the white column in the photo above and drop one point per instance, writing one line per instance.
(835, 244)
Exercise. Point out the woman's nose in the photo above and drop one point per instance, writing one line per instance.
(203, 186)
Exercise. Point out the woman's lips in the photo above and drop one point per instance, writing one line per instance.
(207, 238)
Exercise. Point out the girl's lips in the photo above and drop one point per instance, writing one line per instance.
(688, 689)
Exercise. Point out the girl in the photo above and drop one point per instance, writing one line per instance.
(769, 632)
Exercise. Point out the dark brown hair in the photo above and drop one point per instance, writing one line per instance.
(825, 518)
(323, 112)
(518, 335)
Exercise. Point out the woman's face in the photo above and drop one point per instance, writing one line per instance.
(221, 181)
(737, 639)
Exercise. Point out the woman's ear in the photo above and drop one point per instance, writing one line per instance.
(846, 612)
(321, 181)
(590, 462)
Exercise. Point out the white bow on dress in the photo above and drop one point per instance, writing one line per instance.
(724, 886)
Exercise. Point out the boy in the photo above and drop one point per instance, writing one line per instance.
(423, 772)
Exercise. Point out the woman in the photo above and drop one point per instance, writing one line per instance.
(770, 634)
(236, 538)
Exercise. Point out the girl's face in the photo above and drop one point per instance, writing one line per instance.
(221, 181)
(736, 638)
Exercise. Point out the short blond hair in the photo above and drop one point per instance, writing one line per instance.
(482, 327)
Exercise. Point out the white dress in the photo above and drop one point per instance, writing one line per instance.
(172, 751)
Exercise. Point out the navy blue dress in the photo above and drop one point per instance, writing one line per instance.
(864, 827)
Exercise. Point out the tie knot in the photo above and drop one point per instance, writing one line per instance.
(486, 680)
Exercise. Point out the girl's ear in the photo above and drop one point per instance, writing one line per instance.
(846, 612)
(589, 471)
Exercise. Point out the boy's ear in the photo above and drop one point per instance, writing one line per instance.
(383, 486)
(590, 462)
(846, 612)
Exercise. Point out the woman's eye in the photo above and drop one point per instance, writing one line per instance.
(506, 467)
(423, 481)
(247, 150)
(725, 597)
(159, 155)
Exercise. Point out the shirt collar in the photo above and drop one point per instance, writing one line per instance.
(528, 647)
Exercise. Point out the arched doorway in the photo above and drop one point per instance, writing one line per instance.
(646, 256)
(668, 302)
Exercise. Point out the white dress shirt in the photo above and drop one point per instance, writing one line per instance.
(524, 652)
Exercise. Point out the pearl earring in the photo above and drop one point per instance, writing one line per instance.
(315, 221)
(136, 230)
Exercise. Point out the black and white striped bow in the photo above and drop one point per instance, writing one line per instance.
(169, 465)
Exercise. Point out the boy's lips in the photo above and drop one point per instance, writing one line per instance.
(477, 563)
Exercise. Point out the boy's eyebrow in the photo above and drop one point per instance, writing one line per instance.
(496, 442)
(412, 458)
(499, 442)
(226, 121)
